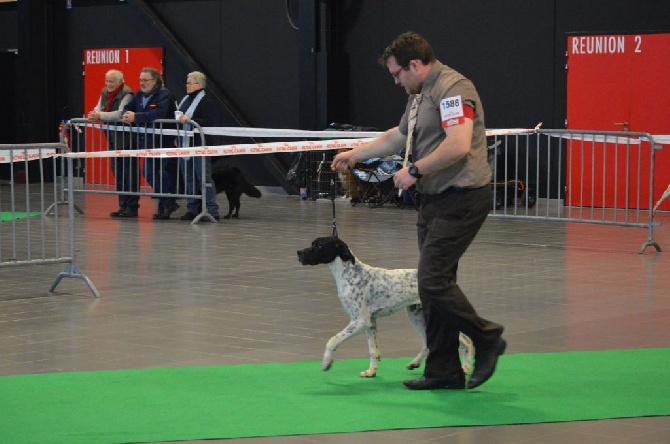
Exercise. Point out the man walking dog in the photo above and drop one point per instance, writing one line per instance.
(443, 128)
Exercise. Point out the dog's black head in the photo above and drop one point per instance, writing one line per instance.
(324, 250)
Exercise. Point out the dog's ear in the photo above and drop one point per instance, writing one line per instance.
(344, 252)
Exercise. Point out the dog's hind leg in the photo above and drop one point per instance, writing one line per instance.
(418, 321)
(236, 204)
(231, 204)
(466, 350)
(354, 328)
(373, 348)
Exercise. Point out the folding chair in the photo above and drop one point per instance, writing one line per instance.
(376, 176)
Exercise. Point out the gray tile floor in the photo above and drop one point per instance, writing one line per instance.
(174, 294)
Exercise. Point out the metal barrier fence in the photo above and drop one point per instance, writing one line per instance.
(27, 235)
(127, 164)
(574, 176)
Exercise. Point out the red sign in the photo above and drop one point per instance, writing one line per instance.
(618, 83)
(96, 63)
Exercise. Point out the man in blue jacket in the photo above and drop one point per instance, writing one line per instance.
(152, 102)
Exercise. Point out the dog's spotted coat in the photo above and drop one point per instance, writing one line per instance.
(368, 293)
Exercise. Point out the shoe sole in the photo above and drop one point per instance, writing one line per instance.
(408, 384)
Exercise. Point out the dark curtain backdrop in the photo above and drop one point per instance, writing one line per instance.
(514, 51)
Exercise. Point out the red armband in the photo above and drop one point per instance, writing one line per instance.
(454, 112)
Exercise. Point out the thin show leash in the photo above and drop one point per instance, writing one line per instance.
(333, 193)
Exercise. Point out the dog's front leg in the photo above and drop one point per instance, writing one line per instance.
(373, 348)
(354, 328)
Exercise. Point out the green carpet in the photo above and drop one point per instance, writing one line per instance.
(172, 404)
(6, 216)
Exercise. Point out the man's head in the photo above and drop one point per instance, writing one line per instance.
(113, 79)
(149, 78)
(195, 81)
(408, 58)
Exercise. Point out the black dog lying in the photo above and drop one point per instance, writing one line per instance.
(231, 181)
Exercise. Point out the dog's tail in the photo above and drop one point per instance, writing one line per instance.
(250, 190)
(226, 177)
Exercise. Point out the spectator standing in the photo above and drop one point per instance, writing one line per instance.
(199, 107)
(113, 98)
(152, 102)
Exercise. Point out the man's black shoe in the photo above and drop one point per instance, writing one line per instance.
(485, 363)
(454, 382)
(166, 212)
(162, 215)
(117, 213)
(127, 213)
(188, 216)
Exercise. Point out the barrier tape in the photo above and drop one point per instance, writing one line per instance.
(234, 131)
(228, 150)
(332, 134)
(270, 132)
(256, 148)
(26, 154)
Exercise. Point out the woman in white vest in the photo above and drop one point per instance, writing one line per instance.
(200, 108)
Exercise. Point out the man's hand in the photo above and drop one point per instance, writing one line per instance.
(343, 161)
(128, 117)
(94, 115)
(403, 180)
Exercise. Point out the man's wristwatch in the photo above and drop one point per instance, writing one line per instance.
(414, 172)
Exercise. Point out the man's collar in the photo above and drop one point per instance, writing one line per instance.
(431, 77)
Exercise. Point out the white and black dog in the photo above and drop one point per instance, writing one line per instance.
(368, 293)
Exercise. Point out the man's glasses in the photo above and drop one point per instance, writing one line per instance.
(396, 74)
(192, 83)
(145, 80)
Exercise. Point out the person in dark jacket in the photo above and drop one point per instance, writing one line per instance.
(152, 102)
(199, 107)
(113, 98)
